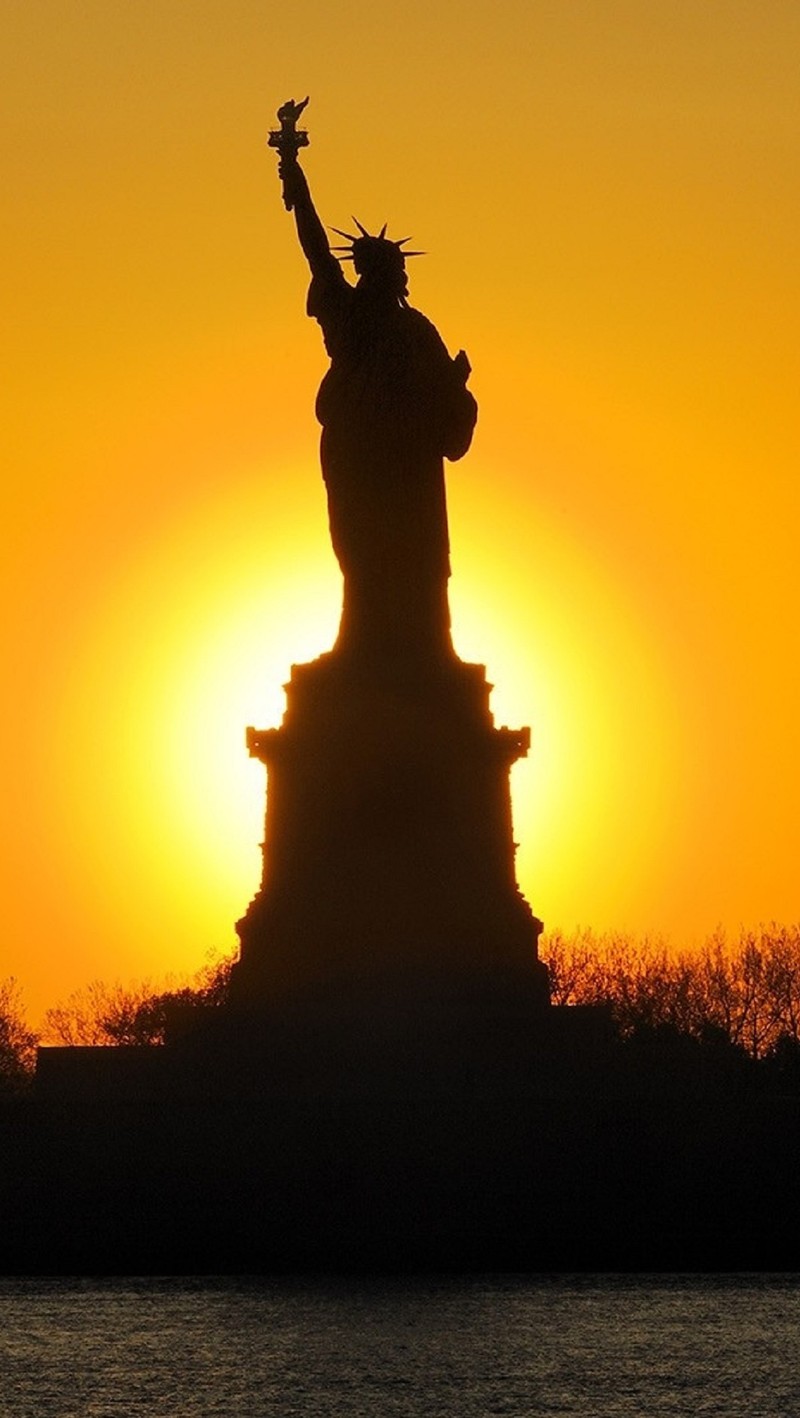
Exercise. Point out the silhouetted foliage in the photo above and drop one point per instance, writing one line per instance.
(745, 994)
(17, 1041)
(101, 1014)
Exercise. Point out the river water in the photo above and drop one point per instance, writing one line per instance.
(433, 1347)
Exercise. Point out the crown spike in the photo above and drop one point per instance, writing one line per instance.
(361, 228)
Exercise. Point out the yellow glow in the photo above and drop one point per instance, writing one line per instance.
(192, 643)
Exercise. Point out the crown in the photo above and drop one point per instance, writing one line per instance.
(366, 247)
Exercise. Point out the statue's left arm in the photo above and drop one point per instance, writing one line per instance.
(461, 413)
(454, 409)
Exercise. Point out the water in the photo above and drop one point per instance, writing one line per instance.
(584, 1346)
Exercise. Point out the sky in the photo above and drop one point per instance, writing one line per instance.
(607, 193)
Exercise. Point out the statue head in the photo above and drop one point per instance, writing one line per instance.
(379, 262)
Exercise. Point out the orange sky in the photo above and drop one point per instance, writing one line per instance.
(608, 195)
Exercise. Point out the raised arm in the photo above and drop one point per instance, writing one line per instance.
(310, 231)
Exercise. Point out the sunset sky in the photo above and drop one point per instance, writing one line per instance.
(607, 191)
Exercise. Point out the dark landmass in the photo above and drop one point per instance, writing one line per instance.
(460, 1146)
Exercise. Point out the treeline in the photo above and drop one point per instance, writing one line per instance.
(744, 994)
(17, 1041)
(103, 1015)
(108, 1015)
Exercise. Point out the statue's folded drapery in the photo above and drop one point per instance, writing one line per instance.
(392, 406)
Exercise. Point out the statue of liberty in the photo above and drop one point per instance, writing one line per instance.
(393, 406)
(388, 840)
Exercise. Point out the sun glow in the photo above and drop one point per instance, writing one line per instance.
(193, 643)
(195, 640)
(572, 658)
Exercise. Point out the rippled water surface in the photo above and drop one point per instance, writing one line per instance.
(464, 1348)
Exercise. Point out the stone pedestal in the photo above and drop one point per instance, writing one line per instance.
(388, 846)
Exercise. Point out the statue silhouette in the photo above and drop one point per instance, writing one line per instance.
(388, 844)
(392, 406)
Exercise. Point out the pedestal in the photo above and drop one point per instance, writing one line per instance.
(388, 845)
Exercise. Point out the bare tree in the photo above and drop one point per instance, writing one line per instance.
(747, 992)
(17, 1041)
(138, 1014)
